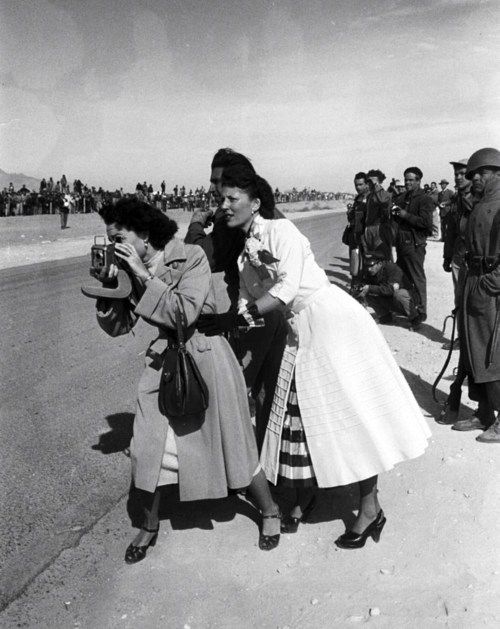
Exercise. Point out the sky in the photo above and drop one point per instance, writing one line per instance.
(115, 92)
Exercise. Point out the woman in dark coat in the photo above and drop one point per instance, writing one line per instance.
(204, 455)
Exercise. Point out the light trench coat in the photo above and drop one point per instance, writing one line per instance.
(359, 414)
(220, 453)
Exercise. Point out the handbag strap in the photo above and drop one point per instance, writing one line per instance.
(179, 311)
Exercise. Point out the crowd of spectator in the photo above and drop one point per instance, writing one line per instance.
(54, 196)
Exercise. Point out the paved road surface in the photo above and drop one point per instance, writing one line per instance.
(68, 394)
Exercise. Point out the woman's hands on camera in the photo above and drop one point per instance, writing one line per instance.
(128, 253)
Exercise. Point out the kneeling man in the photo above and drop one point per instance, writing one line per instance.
(387, 290)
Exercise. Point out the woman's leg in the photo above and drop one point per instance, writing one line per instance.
(259, 488)
(151, 508)
(368, 506)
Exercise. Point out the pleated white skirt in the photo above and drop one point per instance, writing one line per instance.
(359, 414)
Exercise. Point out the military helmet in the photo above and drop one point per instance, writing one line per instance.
(482, 158)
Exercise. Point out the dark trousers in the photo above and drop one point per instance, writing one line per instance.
(411, 261)
(401, 303)
(64, 219)
(259, 351)
(487, 395)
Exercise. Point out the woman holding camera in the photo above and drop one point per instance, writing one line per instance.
(342, 411)
(203, 454)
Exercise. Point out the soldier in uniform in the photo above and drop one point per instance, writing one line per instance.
(414, 218)
(387, 289)
(353, 234)
(479, 315)
(378, 234)
(455, 228)
(444, 201)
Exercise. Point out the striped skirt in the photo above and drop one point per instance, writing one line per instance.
(295, 465)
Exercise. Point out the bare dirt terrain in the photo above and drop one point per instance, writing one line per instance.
(437, 563)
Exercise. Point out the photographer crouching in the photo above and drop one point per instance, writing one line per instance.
(387, 290)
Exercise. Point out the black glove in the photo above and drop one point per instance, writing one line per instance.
(215, 324)
(447, 265)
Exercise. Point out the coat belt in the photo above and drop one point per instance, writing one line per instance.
(479, 265)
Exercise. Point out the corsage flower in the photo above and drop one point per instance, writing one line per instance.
(258, 257)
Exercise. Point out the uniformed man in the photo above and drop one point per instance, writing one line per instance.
(378, 235)
(387, 290)
(454, 262)
(353, 233)
(479, 314)
(444, 201)
(413, 214)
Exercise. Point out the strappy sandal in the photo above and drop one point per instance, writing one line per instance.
(269, 542)
(133, 554)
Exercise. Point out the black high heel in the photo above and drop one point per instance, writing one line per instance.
(290, 524)
(269, 542)
(357, 540)
(133, 554)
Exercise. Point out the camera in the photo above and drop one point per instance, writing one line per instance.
(356, 289)
(102, 256)
(395, 210)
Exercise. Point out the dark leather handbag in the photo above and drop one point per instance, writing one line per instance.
(182, 388)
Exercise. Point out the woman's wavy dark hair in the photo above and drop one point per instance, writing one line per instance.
(240, 176)
(140, 217)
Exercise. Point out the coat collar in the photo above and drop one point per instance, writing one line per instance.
(175, 251)
(174, 255)
(491, 190)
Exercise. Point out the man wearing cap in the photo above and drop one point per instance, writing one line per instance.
(353, 233)
(433, 192)
(413, 215)
(456, 220)
(387, 289)
(479, 314)
(378, 233)
(259, 349)
(444, 202)
(454, 262)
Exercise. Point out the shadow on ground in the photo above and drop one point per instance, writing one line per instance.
(337, 503)
(118, 438)
(422, 391)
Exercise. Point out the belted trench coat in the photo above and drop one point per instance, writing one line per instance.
(222, 452)
(480, 312)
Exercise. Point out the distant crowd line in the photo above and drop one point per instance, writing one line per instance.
(59, 196)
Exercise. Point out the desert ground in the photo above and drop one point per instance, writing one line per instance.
(68, 398)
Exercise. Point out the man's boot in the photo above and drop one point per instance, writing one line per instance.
(492, 435)
(483, 418)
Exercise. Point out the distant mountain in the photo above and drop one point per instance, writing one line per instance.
(18, 180)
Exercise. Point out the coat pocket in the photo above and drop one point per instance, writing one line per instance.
(479, 303)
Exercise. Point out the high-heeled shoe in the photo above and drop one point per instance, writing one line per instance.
(133, 554)
(350, 539)
(289, 524)
(269, 542)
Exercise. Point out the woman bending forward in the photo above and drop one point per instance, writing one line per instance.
(203, 454)
(342, 411)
